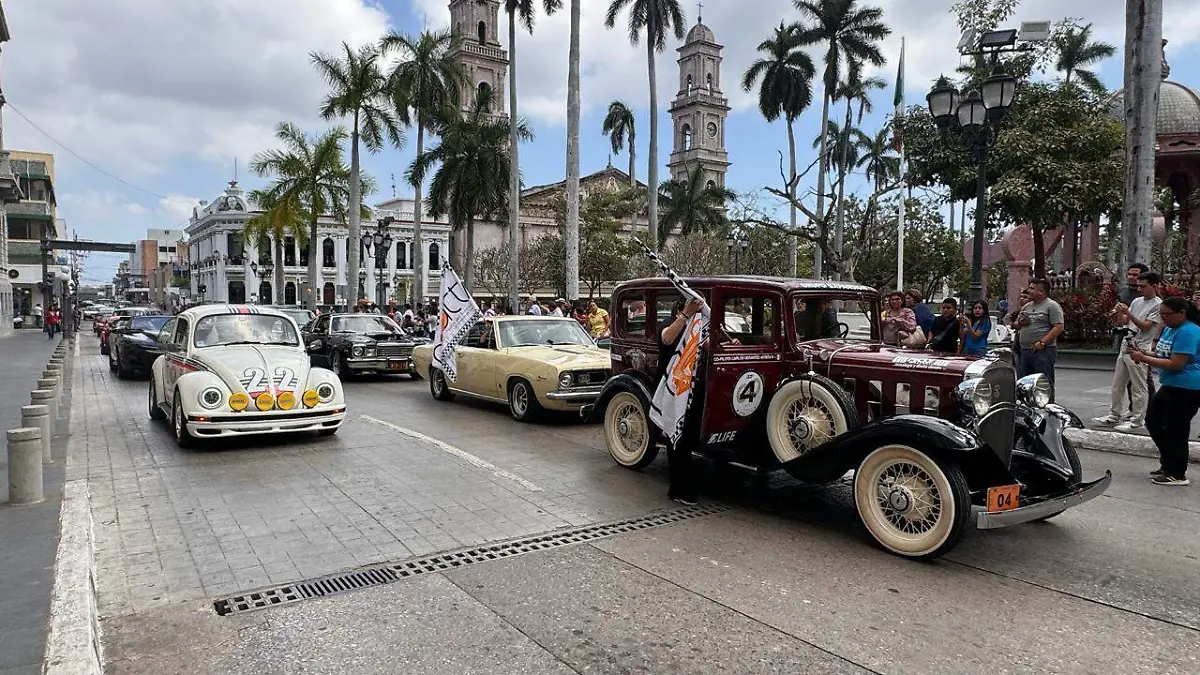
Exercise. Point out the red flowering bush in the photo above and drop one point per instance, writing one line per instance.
(1086, 314)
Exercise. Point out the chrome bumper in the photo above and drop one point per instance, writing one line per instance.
(1047, 507)
(380, 363)
(581, 395)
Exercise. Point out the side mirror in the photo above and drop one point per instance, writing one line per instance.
(314, 345)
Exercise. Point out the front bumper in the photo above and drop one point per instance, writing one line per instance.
(138, 359)
(246, 423)
(396, 364)
(578, 395)
(1047, 506)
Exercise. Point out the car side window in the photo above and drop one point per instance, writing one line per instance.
(180, 338)
(751, 319)
(815, 317)
(167, 334)
(322, 325)
(631, 318)
(475, 337)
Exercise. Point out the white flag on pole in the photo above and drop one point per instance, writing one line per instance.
(457, 312)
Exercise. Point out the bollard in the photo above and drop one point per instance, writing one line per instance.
(38, 416)
(50, 384)
(25, 466)
(46, 397)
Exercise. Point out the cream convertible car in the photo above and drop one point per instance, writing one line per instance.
(233, 370)
(532, 363)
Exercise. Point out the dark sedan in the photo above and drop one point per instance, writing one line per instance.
(133, 344)
(349, 344)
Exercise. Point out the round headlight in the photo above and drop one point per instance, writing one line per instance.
(369, 350)
(287, 400)
(311, 398)
(565, 380)
(239, 401)
(1035, 390)
(981, 402)
(357, 350)
(211, 398)
(325, 392)
(264, 401)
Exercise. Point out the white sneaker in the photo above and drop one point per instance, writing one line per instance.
(1107, 420)
(1129, 426)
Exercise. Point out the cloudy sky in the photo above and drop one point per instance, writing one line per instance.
(147, 104)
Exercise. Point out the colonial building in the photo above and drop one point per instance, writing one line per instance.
(27, 222)
(700, 109)
(484, 61)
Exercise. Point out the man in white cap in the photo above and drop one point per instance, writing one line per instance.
(558, 307)
(534, 308)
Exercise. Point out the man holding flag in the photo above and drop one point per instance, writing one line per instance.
(457, 312)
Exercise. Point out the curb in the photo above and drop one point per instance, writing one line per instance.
(1123, 444)
(73, 641)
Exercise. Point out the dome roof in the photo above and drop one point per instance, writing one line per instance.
(700, 33)
(1178, 109)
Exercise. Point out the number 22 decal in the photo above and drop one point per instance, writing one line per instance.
(253, 379)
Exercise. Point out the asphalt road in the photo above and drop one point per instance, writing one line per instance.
(1089, 392)
(781, 581)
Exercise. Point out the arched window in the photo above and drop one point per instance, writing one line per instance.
(484, 93)
(710, 185)
(401, 255)
(708, 81)
(328, 253)
(328, 295)
(304, 255)
(264, 250)
(289, 251)
(289, 293)
(264, 293)
(687, 136)
(689, 84)
(435, 258)
(482, 29)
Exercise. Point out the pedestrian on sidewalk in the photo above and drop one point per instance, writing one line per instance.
(1141, 320)
(1041, 322)
(1169, 418)
(52, 323)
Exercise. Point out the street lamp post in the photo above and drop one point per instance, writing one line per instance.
(378, 243)
(977, 121)
(737, 243)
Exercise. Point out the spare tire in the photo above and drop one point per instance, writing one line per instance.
(807, 412)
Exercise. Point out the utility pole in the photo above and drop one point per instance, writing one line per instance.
(1143, 73)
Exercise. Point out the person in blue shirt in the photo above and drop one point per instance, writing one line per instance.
(914, 301)
(975, 332)
(1169, 416)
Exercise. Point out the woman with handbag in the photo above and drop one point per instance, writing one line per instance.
(900, 323)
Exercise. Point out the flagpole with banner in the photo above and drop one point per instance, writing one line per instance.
(898, 101)
(674, 392)
(457, 312)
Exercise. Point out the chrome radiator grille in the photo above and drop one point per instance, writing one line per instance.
(998, 427)
(394, 350)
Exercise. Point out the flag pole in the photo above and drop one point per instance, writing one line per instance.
(899, 103)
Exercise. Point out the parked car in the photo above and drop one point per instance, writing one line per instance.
(531, 363)
(936, 441)
(112, 323)
(353, 344)
(133, 344)
(301, 316)
(91, 313)
(234, 370)
(100, 325)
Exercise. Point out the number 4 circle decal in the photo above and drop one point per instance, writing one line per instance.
(748, 393)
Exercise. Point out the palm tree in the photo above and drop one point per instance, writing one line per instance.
(427, 80)
(621, 130)
(310, 180)
(786, 91)
(854, 89)
(471, 179)
(571, 238)
(1075, 51)
(358, 90)
(281, 216)
(692, 205)
(518, 10)
(876, 157)
(852, 35)
(656, 18)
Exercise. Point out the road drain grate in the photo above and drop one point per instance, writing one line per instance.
(377, 575)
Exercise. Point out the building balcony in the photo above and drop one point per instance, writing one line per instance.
(485, 51)
(30, 210)
(10, 187)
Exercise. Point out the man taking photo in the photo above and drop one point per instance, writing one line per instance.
(1141, 320)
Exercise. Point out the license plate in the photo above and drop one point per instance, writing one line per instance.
(1003, 498)
(398, 365)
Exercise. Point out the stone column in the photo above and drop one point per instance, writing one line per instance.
(339, 259)
(38, 416)
(46, 397)
(25, 466)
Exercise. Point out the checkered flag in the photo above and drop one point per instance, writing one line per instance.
(670, 273)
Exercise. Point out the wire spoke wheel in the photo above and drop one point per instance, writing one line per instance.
(806, 413)
(627, 431)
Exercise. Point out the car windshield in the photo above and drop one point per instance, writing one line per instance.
(242, 329)
(543, 332)
(300, 316)
(365, 323)
(149, 324)
(832, 315)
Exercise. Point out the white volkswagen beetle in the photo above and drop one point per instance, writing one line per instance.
(234, 370)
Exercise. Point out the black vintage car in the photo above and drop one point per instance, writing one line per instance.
(350, 344)
(133, 344)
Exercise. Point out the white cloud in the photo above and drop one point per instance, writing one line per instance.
(178, 207)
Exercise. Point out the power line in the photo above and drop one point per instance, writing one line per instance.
(80, 157)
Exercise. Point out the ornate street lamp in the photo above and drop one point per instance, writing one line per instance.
(737, 241)
(378, 243)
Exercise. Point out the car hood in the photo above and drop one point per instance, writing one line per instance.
(389, 338)
(878, 355)
(565, 356)
(236, 365)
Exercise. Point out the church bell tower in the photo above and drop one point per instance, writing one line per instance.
(484, 60)
(699, 110)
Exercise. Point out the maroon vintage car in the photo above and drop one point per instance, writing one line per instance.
(933, 439)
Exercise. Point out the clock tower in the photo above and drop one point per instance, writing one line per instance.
(484, 61)
(699, 110)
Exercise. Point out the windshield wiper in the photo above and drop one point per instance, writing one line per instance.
(254, 342)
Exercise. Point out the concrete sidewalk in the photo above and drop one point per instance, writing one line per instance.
(29, 533)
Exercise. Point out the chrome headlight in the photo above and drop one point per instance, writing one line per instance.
(325, 392)
(975, 394)
(1034, 390)
(368, 350)
(210, 398)
(357, 350)
(565, 380)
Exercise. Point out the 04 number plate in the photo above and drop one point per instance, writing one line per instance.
(1003, 498)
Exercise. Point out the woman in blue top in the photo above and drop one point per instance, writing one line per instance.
(925, 317)
(1169, 416)
(975, 332)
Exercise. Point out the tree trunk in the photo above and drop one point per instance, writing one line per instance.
(841, 198)
(355, 218)
(632, 180)
(514, 169)
(418, 252)
(791, 241)
(818, 251)
(469, 262)
(572, 238)
(277, 291)
(1039, 251)
(311, 300)
(652, 170)
(1143, 72)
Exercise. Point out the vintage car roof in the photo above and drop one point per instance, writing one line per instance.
(786, 284)
(201, 311)
(524, 317)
